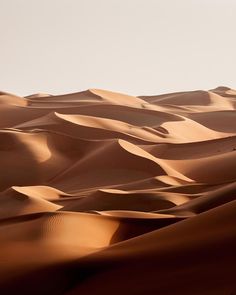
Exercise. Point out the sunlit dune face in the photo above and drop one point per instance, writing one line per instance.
(38, 147)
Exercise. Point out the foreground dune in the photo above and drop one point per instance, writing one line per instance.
(106, 193)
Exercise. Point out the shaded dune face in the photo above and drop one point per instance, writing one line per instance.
(107, 193)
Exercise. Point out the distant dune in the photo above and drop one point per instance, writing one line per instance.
(106, 193)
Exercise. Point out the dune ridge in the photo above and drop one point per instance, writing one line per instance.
(108, 193)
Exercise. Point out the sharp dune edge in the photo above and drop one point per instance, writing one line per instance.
(107, 193)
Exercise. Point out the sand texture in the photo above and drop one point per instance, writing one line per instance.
(106, 193)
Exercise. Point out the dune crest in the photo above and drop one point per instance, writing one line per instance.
(108, 193)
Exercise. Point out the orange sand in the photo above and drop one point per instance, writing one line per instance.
(106, 193)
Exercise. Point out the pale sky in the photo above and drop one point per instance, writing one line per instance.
(132, 46)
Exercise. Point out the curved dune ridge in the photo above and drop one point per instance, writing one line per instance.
(107, 193)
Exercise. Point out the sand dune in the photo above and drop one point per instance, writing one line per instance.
(107, 193)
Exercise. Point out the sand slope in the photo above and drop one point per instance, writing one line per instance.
(107, 193)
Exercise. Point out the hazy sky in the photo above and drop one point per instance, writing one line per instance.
(133, 46)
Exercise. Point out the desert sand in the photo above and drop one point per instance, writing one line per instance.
(107, 193)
